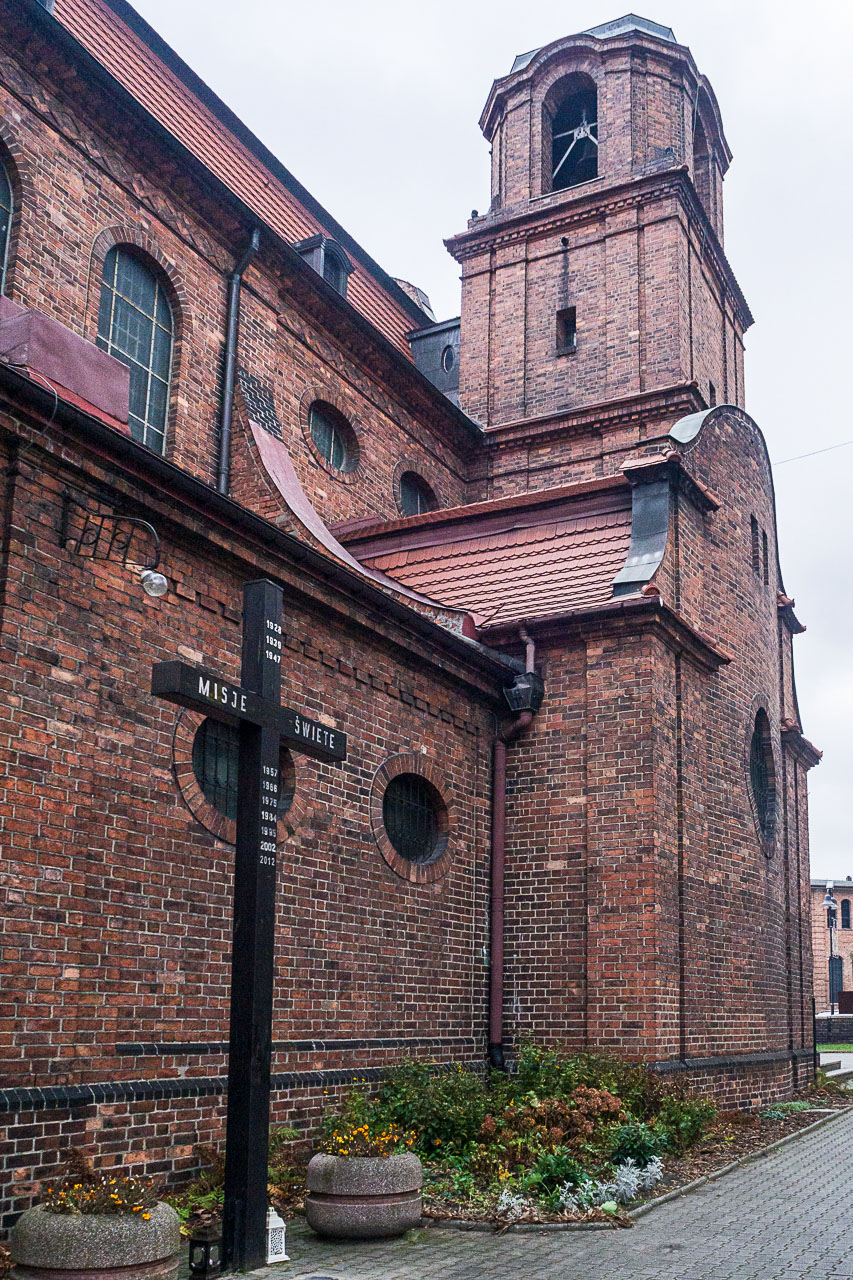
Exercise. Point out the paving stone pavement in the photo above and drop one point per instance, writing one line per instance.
(782, 1216)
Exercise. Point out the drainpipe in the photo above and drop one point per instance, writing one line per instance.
(232, 321)
(496, 950)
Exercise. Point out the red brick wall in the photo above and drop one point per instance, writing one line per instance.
(118, 902)
(641, 911)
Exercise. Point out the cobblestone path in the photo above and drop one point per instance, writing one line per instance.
(781, 1217)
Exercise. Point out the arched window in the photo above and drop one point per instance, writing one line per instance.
(571, 121)
(416, 496)
(6, 212)
(135, 325)
(333, 436)
(845, 913)
(762, 776)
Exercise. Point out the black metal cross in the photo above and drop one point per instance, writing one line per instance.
(254, 707)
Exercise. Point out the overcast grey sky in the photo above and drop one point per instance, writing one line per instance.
(374, 107)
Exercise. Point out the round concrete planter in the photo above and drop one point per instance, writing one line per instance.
(364, 1197)
(96, 1246)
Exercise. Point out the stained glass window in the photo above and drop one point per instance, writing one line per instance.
(135, 325)
(333, 436)
(762, 776)
(6, 211)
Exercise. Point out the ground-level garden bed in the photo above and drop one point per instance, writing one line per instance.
(563, 1138)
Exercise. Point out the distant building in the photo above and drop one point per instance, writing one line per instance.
(843, 894)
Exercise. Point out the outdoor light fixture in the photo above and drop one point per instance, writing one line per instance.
(153, 583)
(275, 1237)
(206, 1251)
(526, 693)
(105, 535)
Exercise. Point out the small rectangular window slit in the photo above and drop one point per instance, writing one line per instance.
(755, 547)
(566, 331)
(766, 555)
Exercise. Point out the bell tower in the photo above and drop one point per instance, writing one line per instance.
(597, 278)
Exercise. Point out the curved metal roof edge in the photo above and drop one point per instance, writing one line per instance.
(122, 448)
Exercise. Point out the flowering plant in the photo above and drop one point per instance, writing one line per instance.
(367, 1139)
(82, 1190)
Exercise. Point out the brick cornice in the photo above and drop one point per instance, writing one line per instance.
(795, 742)
(659, 402)
(544, 215)
(628, 615)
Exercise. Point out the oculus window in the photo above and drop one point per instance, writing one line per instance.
(216, 751)
(416, 496)
(333, 437)
(135, 325)
(415, 818)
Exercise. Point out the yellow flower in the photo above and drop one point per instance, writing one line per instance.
(146, 1215)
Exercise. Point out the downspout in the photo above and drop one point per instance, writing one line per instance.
(232, 322)
(496, 948)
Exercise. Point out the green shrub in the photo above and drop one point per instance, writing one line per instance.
(445, 1107)
(552, 1169)
(683, 1120)
(554, 1073)
(637, 1142)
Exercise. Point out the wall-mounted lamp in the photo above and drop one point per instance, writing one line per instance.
(112, 536)
(526, 693)
(153, 583)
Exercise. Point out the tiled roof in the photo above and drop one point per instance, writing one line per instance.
(127, 57)
(506, 565)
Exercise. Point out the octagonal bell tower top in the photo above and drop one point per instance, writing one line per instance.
(594, 110)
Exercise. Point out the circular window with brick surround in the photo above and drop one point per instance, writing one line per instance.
(205, 754)
(332, 437)
(411, 809)
(762, 779)
(216, 752)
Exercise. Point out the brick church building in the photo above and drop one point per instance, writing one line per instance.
(202, 375)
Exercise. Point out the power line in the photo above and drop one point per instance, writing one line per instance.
(843, 445)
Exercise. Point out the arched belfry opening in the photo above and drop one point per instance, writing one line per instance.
(570, 129)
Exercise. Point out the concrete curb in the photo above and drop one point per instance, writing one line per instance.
(461, 1224)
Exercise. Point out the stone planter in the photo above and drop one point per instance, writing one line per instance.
(364, 1197)
(96, 1246)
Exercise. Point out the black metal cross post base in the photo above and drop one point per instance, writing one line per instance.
(254, 706)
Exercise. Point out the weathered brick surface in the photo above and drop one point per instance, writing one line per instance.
(642, 911)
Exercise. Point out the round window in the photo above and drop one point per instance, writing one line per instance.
(762, 776)
(415, 818)
(448, 359)
(416, 496)
(216, 749)
(333, 437)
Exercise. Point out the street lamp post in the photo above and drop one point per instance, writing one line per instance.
(835, 978)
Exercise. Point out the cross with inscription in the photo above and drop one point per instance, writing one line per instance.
(254, 707)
